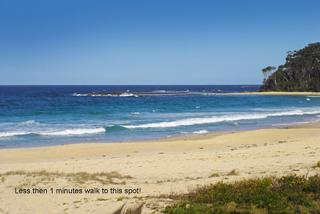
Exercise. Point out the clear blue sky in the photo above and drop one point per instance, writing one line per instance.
(151, 41)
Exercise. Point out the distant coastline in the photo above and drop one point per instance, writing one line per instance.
(300, 72)
(279, 93)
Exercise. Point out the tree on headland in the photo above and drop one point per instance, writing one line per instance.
(300, 72)
(267, 71)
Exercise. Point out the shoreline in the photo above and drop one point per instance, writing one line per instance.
(279, 93)
(84, 146)
(181, 138)
(177, 137)
(159, 168)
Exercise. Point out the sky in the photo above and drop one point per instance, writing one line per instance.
(150, 42)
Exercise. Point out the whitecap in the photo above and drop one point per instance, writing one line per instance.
(29, 122)
(126, 95)
(159, 91)
(79, 95)
(219, 119)
(135, 113)
(204, 131)
(12, 134)
(76, 131)
(65, 132)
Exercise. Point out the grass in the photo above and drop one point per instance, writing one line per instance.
(78, 177)
(316, 165)
(289, 194)
(102, 199)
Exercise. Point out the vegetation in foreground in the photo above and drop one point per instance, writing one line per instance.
(76, 177)
(289, 194)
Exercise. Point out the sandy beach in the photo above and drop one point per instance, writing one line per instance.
(149, 171)
(280, 93)
(149, 107)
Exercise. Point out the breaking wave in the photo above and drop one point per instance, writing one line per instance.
(12, 134)
(204, 131)
(29, 122)
(219, 119)
(125, 94)
(78, 131)
(65, 132)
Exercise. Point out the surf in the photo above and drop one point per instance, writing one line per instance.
(219, 119)
(65, 132)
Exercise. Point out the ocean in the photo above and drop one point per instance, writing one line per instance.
(33, 116)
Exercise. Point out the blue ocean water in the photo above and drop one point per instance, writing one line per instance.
(52, 115)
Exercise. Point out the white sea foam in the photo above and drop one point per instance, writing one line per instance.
(29, 122)
(125, 94)
(159, 91)
(66, 132)
(12, 134)
(219, 119)
(78, 131)
(135, 113)
(201, 132)
(79, 95)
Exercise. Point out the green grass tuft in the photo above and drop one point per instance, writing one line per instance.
(289, 194)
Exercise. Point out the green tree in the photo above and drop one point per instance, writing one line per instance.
(267, 71)
(300, 72)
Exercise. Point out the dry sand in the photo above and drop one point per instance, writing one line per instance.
(158, 168)
(279, 93)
